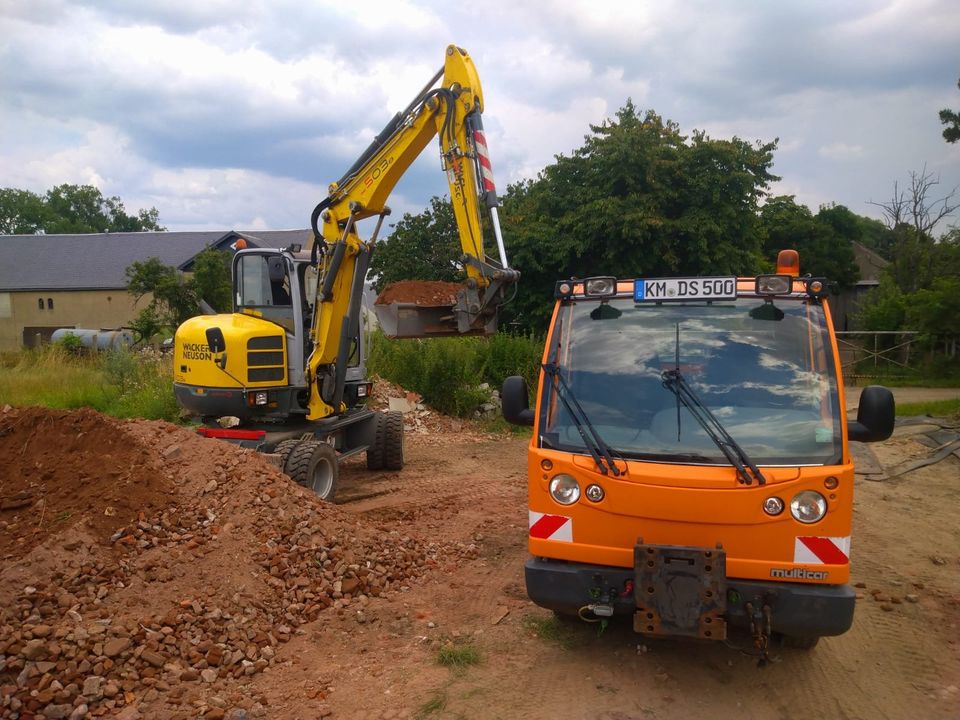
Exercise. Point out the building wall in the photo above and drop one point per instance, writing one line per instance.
(95, 309)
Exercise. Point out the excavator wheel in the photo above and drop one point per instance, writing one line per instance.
(313, 464)
(375, 451)
(393, 440)
(284, 448)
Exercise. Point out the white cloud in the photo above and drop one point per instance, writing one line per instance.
(840, 151)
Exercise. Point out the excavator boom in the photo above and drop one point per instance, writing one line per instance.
(450, 111)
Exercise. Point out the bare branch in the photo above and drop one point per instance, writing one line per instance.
(916, 206)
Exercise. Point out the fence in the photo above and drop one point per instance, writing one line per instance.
(877, 353)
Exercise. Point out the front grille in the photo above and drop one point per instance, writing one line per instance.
(266, 360)
(272, 342)
(264, 374)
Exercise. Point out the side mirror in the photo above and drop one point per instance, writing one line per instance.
(516, 406)
(215, 340)
(875, 415)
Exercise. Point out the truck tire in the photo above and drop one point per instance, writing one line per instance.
(313, 464)
(393, 440)
(284, 448)
(375, 451)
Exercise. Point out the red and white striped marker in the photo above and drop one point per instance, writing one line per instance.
(483, 156)
(551, 527)
(822, 550)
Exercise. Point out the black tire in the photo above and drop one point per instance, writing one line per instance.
(800, 642)
(314, 465)
(375, 451)
(284, 448)
(393, 440)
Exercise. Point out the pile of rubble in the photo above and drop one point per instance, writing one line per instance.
(164, 597)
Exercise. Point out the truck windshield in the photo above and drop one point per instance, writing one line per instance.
(765, 371)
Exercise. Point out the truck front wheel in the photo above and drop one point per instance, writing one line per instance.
(393, 441)
(313, 464)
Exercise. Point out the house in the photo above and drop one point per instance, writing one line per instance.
(79, 281)
(845, 306)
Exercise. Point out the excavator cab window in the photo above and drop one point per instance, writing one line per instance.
(263, 288)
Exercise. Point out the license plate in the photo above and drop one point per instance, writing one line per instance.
(673, 289)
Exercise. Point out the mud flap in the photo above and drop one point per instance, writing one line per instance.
(680, 591)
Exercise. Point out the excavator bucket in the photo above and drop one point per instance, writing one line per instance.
(429, 308)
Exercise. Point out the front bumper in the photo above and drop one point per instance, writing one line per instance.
(797, 608)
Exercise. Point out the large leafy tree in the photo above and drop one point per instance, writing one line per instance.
(70, 209)
(637, 199)
(425, 246)
(824, 240)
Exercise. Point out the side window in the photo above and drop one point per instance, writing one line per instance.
(49, 303)
(40, 303)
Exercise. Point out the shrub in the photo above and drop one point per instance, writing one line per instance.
(447, 372)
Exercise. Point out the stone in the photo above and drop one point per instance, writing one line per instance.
(128, 713)
(208, 675)
(57, 712)
(41, 631)
(214, 713)
(115, 646)
(79, 712)
(912, 598)
(92, 687)
(189, 675)
(154, 658)
(34, 649)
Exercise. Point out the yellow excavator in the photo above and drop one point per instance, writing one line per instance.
(288, 362)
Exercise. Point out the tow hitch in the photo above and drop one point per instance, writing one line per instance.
(680, 590)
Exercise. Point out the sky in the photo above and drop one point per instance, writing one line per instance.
(239, 114)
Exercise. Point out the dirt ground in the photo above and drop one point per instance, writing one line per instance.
(456, 518)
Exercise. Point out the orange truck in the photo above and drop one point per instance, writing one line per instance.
(690, 461)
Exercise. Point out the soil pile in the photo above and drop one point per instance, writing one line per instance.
(184, 563)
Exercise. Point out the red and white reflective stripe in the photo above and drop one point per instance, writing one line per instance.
(551, 527)
(822, 550)
(483, 155)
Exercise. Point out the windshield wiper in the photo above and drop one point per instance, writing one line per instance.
(598, 449)
(677, 384)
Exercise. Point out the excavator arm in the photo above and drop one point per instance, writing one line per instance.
(452, 112)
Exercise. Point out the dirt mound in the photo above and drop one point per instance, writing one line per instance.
(420, 292)
(211, 559)
(61, 467)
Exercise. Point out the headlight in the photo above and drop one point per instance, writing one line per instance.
(594, 493)
(260, 398)
(773, 505)
(564, 489)
(808, 506)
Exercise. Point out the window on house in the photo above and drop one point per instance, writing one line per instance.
(40, 303)
(49, 303)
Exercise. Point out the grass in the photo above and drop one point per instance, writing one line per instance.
(936, 408)
(458, 657)
(117, 382)
(436, 704)
(550, 628)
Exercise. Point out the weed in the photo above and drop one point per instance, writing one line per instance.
(64, 516)
(550, 628)
(436, 704)
(458, 657)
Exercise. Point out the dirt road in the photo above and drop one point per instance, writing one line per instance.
(901, 659)
(230, 593)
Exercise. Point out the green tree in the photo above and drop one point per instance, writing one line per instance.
(824, 240)
(70, 209)
(21, 212)
(885, 307)
(425, 246)
(173, 297)
(211, 279)
(637, 198)
(950, 118)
